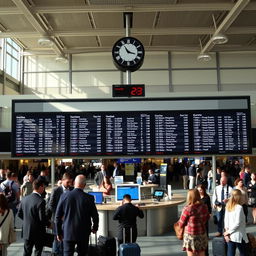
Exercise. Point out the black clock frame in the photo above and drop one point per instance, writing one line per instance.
(122, 65)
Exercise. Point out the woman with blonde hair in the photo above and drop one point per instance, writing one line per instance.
(234, 224)
(193, 219)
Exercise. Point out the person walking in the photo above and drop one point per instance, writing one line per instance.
(252, 197)
(100, 175)
(32, 212)
(193, 219)
(66, 183)
(75, 213)
(6, 224)
(127, 214)
(27, 187)
(192, 175)
(239, 184)
(12, 192)
(209, 180)
(234, 224)
(220, 197)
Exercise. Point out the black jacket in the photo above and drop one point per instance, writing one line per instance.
(75, 212)
(32, 212)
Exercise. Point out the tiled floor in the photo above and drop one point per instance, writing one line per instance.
(150, 246)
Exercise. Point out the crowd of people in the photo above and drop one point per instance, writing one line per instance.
(68, 211)
(232, 196)
(72, 215)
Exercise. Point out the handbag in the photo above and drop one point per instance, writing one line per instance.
(251, 201)
(178, 231)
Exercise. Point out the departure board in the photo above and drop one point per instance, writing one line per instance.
(40, 135)
(141, 133)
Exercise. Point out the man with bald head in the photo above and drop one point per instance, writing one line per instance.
(220, 197)
(76, 217)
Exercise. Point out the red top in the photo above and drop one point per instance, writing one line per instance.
(194, 218)
(106, 190)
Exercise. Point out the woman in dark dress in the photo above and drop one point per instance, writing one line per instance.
(252, 195)
(205, 198)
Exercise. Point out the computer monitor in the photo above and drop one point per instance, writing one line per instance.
(132, 189)
(98, 197)
(119, 179)
(158, 194)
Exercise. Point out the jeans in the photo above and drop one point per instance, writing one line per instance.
(57, 247)
(220, 218)
(232, 248)
(209, 181)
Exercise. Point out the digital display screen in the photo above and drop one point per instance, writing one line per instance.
(158, 193)
(98, 197)
(131, 133)
(133, 191)
(128, 90)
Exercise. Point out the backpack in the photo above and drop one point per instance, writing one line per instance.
(9, 193)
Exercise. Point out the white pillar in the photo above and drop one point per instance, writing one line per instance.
(213, 172)
(52, 172)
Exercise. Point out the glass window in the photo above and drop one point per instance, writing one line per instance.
(12, 58)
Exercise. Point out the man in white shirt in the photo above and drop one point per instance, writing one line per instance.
(220, 197)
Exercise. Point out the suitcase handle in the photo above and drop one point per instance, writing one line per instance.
(130, 235)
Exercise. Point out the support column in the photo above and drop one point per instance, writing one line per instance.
(52, 172)
(128, 17)
(213, 172)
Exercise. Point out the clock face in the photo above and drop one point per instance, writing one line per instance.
(128, 54)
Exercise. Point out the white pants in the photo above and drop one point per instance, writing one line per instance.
(192, 180)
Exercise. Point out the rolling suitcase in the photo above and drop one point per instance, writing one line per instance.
(219, 246)
(95, 249)
(108, 244)
(129, 249)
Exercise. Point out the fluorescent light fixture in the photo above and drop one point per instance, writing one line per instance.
(45, 42)
(204, 57)
(61, 59)
(219, 39)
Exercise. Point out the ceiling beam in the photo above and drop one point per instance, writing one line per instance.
(173, 48)
(134, 8)
(141, 8)
(33, 19)
(226, 23)
(251, 30)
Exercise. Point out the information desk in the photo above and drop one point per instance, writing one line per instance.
(158, 217)
(144, 189)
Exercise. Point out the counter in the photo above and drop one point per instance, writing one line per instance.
(158, 217)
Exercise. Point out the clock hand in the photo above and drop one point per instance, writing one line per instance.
(128, 50)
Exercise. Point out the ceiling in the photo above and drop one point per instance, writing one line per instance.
(80, 26)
